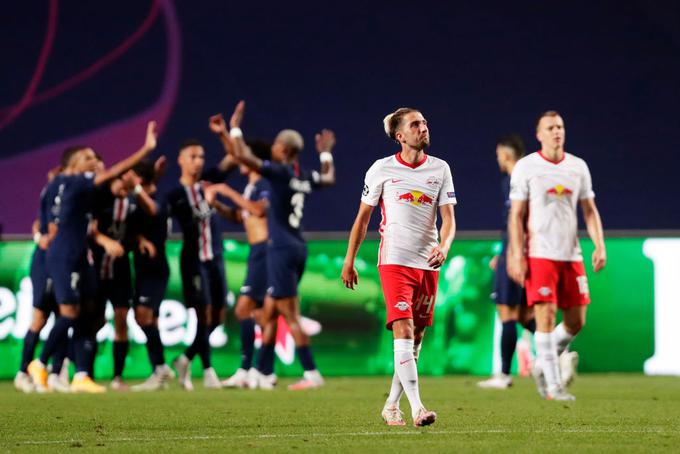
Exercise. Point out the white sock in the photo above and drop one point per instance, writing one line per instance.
(407, 370)
(546, 352)
(80, 375)
(396, 390)
(562, 338)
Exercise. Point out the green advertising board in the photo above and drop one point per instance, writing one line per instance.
(351, 338)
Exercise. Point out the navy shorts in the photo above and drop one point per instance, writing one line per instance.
(285, 266)
(43, 294)
(150, 290)
(115, 280)
(255, 284)
(204, 283)
(72, 277)
(505, 290)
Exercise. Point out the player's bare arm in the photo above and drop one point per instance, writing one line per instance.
(223, 210)
(112, 247)
(517, 262)
(133, 183)
(593, 222)
(447, 234)
(232, 141)
(325, 141)
(256, 208)
(349, 276)
(129, 162)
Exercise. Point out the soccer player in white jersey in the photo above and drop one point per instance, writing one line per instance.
(409, 186)
(544, 252)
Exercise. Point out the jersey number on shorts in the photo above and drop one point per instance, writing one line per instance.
(298, 203)
(424, 299)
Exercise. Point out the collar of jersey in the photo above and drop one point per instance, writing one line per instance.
(564, 155)
(413, 166)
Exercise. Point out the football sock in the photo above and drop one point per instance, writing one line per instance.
(304, 354)
(203, 335)
(546, 353)
(57, 335)
(562, 338)
(120, 351)
(407, 370)
(154, 346)
(265, 359)
(30, 343)
(396, 390)
(247, 340)
(59, 356)
(508, 345)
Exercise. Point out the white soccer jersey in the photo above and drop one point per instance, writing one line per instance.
(553, 190)
(408, 195)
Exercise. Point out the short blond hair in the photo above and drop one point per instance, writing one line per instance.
(392, 121)
(291, 139)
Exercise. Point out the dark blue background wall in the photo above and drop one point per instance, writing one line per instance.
(476, 70)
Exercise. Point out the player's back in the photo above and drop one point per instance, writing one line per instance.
(289, 187)
(71, 212)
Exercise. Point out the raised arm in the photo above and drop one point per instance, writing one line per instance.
(517, 262)
(349, 276)
(232, 141)
(591, 216)
(447, 233)
(127, 163)
(325, 141)
(134, 184)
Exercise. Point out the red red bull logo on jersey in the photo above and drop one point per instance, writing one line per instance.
(416, 198)
(560, 191)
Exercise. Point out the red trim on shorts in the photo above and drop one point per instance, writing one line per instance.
(564, 155)
(413, 166)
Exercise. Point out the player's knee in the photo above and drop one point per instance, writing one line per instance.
(574, 326)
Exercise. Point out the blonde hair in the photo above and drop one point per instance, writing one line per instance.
(392, 121)
(291, 139)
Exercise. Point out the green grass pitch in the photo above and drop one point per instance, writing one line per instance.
(613, 413)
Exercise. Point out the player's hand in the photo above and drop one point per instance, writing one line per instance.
(146, 247)
(44, 242)
(217, 124)
(437, 257)
(325, 140)
(599, 259)
(131, 179)
(151, 136)
(349, 275)
(160, 166)
(517, 269)
(237, 117)
(113, 248)
(493, 263)
(211, 192)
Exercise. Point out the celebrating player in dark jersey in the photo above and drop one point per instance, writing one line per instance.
(201, 263)
(150, 230)
(115, 205)
(287, 250)
(253, 206)
(43, 299)
(67, 255)
(509, 296)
